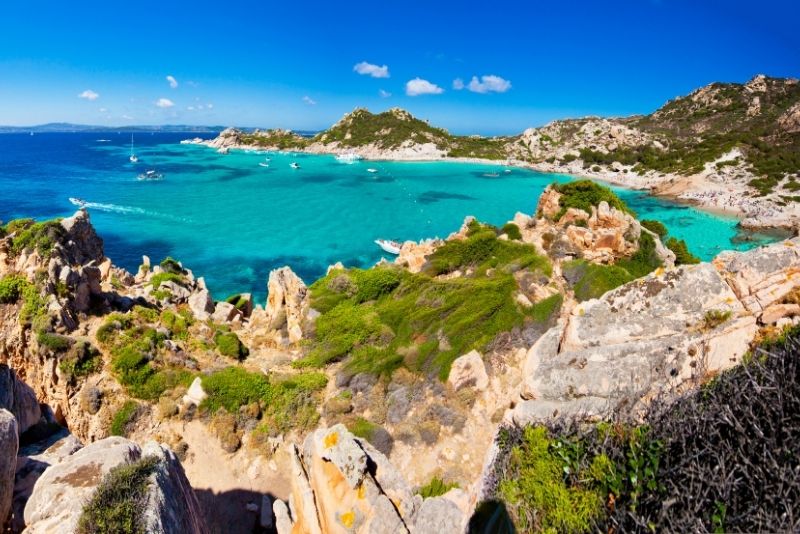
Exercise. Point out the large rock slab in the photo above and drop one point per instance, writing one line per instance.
(9, 443)
(642, 339)
(56, 504)
(19, 399)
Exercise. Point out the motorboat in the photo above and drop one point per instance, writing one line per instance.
(372, 170)
(263, 164)
(150, 175)
(392, 247)
(78, 202)
(294, 165)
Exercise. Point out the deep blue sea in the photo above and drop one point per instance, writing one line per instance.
(231, 220)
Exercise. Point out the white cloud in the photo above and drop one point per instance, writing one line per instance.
(489, 84)
(308, 100)
(172, 81)
(372, 70)
(164, 103)
(210, 106)
(384, 94)
(127, 117)
(418, 86)
(102, 110)
(89, 95)
(458, 84)
(189, 108)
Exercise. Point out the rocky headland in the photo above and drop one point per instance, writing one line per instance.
(725, 147)
(372, 400)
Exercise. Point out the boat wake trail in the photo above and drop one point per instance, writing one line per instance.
(125, 210)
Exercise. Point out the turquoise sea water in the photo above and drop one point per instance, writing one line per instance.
(232, 221)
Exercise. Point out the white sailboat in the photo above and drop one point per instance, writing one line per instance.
(392, 247)
(134, 158)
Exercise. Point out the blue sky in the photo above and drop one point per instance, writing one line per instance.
(291, 64)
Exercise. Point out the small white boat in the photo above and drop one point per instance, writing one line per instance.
(372, 170)
(392, 247)
(507, 171)
(491, 174)
(349, 157)
(294, 165)
(133, 158)
(78, 202)
(262, 164)
(103, 140)
(150, 176)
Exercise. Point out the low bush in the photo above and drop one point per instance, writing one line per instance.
(286, 403)
(38, 236)
(172, 266)
(512, 231)
(714, 318)
(123, 418)
(590, 280)
(12, 287)
(118, 503)
(157, 279)
(53, 342)
(82, 360)
(657, 227)
(228, 344)
(682, 254)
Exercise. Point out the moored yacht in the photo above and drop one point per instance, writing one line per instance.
(392, 247)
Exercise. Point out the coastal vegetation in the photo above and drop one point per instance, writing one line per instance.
(383, 318)
(685, 469)
(583, 194)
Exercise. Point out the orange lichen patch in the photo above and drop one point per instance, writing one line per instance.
(788, 244)
(659, 271)
(348, 519)
(331, 440)
(361, 492)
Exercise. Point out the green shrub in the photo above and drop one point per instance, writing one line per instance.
(123, 418)
(681, 250)
(176, 323)
(117, 505)
(657, 227)
(53, 342)
(544, 310)
(644, 260)
(583, 194)
(228, 344)
(287, 403)
(590, 281)
(512, 231)
(12, 287)
(435, 488)
(81, 361)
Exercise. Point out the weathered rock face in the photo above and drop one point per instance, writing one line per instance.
(414, 255)
(9, 442)
(342, 484)
(19, 399)
(287, 303)
(658, 334)
(55, 504)
(468, 370)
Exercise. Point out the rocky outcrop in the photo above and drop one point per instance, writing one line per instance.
(413, 256)
(9, 442)
(19, 399)
(468, 371)
(170, 504)
(342, 484)
(655, 335)
(287, 306)
(602, 236)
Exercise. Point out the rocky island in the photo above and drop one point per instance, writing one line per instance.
(555, 373)
(725, 147)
